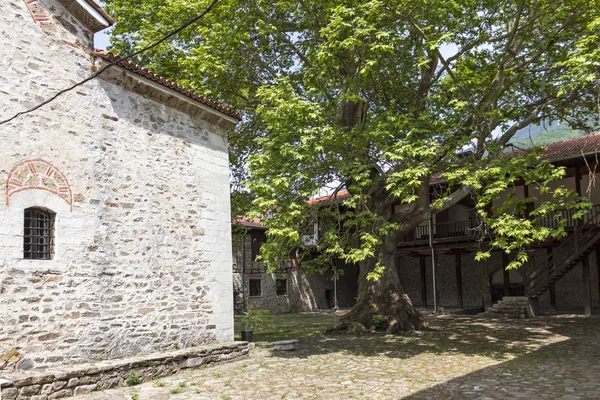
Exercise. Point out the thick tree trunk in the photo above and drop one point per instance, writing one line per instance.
(383, 297)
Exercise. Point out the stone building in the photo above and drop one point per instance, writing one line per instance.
(115, 232)
(289, 288)
(562, 274)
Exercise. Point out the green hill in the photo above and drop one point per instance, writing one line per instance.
(536, 135)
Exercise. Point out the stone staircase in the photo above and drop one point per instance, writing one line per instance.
(510, 307)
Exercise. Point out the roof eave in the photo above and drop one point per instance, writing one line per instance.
(172, 92)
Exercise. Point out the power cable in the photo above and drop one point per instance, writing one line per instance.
(127, 57)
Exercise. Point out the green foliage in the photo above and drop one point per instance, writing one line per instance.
(379, 321)
(133, 378)
(256, 318)
(445, 86)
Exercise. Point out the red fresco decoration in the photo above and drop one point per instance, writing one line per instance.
(36, 12)
(37, 174)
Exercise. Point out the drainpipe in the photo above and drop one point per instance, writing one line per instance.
(435, 305)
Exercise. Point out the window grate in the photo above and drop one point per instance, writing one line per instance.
(38, 234)
(281, 287)
(255, 287)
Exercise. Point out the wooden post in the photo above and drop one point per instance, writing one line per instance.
(587, 288)
(552, 290)
(506, 274)
(459, 291)
(423, 281)
(578, 180)
(598, 268)
(531, 257)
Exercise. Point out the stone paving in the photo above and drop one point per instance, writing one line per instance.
(460, 358)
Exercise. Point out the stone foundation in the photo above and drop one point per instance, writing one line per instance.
(84, 378)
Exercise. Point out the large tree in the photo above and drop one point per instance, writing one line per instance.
(380, 97)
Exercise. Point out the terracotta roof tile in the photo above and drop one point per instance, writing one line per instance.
(95, 5)
(572, 148)
(249, 222)
(341, 195)
(141, 71)
(557, 151)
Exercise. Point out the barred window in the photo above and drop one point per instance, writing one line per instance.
(38, 234)
(281, 287)
(255, 288)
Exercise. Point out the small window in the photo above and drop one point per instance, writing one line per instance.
(281, 287)
(256, 245)
(38, 234)
(255, 288)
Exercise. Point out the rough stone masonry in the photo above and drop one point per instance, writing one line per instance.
(133, 179)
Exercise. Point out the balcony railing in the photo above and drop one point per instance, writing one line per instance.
(554, 218)
(466, 230)
(445, 230)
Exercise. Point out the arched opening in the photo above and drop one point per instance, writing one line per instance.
(38, 234)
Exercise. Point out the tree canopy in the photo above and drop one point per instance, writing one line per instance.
(382, 97)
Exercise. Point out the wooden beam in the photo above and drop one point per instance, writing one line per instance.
(552, 290)
(459, 291)
(423, 281)
(587, 288)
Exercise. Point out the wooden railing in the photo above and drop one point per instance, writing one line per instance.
(444, 230)
(466, 229)
(553, 219)
(572, 249)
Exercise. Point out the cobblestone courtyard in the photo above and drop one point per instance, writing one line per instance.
(460, 358)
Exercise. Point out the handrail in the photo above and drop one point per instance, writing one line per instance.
(563, 256)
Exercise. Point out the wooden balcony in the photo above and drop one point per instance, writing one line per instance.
(471, 231)
(455, 231)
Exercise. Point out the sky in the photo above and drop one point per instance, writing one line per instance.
(101, 38)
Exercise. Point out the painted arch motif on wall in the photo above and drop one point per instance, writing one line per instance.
(37, 174)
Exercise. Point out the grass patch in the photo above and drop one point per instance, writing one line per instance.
(290, 326)
(133, 379)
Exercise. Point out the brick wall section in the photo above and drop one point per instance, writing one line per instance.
(143, 260)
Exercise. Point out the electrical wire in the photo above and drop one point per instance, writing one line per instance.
(127, 57)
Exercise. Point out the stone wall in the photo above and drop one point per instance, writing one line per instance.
(140, 190)
(568, 289)
(299, 294)
(305, 292)
(86, 378)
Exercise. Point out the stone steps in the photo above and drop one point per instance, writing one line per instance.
(510, 307)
